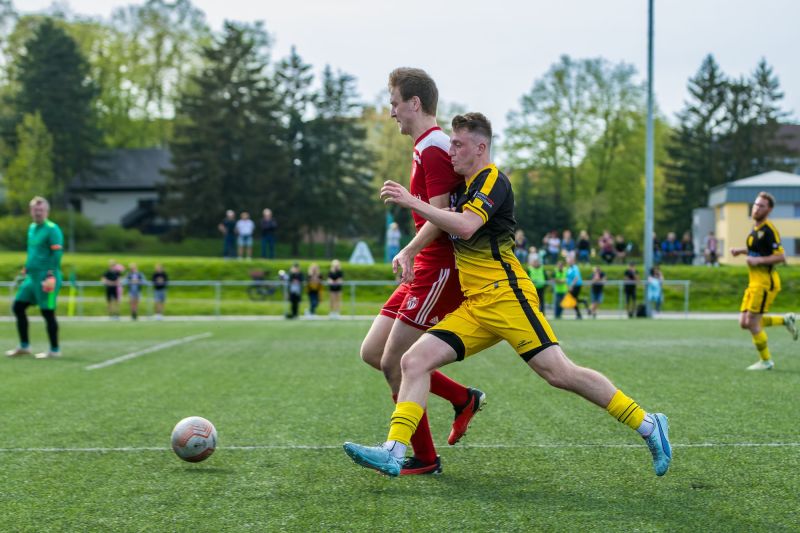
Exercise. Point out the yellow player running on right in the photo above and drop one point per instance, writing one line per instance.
(764, 251)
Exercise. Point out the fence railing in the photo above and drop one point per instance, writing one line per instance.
(268, 297)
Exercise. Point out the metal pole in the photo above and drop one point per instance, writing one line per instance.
(649, 156)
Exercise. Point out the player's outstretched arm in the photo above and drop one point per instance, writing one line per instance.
(462, 225)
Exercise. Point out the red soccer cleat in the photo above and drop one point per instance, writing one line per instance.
(464, 415)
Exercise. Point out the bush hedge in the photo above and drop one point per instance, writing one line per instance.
(712, 289)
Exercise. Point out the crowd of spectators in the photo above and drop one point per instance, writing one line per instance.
(611, 249)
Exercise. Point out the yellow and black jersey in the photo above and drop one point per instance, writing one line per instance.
(487, 258)
(764, 241)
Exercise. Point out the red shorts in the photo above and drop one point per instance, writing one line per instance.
(424, 302)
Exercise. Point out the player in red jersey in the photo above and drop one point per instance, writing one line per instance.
(429, 289)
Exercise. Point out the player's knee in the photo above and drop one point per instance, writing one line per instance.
(19, 307)
(413, 364)
(371, 355)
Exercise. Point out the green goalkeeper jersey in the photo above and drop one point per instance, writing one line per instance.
(45, 247)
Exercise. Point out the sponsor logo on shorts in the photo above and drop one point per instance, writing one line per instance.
(434, 320)
(522, 343)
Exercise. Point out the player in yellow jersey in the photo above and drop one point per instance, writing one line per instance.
(500, 304)
(764, 252)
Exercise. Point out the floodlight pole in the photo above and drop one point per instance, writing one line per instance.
(648, 165)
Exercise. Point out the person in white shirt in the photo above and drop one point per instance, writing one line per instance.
(244, 231)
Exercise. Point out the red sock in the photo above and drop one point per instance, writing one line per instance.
(422, 441)
(450, 390)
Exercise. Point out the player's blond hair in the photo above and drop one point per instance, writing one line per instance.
(413, 82)
(36, 200)
(768, 197)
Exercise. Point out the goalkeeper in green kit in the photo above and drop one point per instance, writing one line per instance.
(42, 279)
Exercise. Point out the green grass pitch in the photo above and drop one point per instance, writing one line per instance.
(88, 450)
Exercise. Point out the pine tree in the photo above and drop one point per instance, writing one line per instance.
(53, 79)
(337, 181)
(694, 150)
(229, 148)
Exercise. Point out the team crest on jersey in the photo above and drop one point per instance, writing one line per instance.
(412, 302)
(760, 234)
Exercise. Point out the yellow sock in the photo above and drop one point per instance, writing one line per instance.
(626, 410)
(760, 340)
(771, 320)
(405, 419)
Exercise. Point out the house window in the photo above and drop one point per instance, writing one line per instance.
(796, 210)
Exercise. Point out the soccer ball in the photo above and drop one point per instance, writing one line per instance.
(194, 439)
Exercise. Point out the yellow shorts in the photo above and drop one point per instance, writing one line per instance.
(502, 313)
(757, 299)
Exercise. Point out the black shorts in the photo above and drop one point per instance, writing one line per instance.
(112, 294)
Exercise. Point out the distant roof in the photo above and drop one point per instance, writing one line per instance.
(127, 170)
(773, 178)
(783, 185)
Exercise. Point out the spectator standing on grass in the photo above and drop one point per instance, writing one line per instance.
(268, 229)
(244, 235)
(41, 279)
(521, 246)
(655, 288)
(567, 243)
(574, 284)
(670, 249)
(335, 280)
(584, 247)
(710, 249)
(294, 280)
(228, 230)
(160, 280)
(135, 280)
(393, 237)
(687, 249)
(538, 276)
(560, 287)
(598, 285)
(111, 282)
(314, 288)
(606, 246)
(630, 283)
(553, 247)
(620, 248)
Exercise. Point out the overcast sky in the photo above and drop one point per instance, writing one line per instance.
(485, 55)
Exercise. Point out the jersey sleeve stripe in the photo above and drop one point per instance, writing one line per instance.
(478, 211)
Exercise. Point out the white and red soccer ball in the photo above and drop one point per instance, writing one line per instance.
(194, 439)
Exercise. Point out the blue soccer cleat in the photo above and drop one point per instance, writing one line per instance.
(658, 442)
(374, 457)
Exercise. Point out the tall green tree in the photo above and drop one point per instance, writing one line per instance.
(393, 156)
(567, 143)
(727, 131)
(52, 78)
(338, 189)
(30, 173)
(294, 79)
(694, 151)
(229, 150)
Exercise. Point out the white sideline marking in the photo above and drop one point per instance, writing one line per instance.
(337, 446)
(155, 348)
